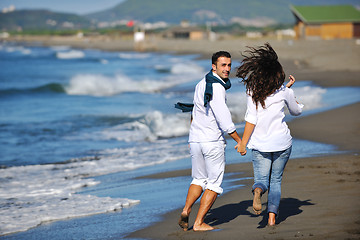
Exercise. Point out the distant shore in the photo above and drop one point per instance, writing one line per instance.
(328, 63)
(320, 199)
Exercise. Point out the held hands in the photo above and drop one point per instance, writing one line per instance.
(241, 148)
(291, 81)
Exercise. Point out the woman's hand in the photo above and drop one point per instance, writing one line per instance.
(241, 148)
(291, 81)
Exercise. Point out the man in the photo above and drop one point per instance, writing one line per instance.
(210, 119)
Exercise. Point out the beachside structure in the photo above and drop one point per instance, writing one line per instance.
(180, 32)
(185, 31)
(326, 22)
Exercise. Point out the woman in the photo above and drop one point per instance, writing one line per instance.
(266, 132)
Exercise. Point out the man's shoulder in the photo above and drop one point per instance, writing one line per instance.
(218, 87)
(201, 82)
(200, 85)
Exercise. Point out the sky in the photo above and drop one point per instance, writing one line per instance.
(68, 6)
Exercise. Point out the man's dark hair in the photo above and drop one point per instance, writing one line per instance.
(216, 56)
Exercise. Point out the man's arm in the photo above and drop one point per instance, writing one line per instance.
(220, 109)
(236, 137)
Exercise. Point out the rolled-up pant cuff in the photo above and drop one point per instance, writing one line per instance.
(200, 183)
(261, 186)
(208, 186)
(273, 209)
(216, 189)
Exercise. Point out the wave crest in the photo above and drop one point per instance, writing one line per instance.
(149, 127)
(100, 85)
(72, 54)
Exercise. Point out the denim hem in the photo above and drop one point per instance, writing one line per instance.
(261, 186)
(273, 209)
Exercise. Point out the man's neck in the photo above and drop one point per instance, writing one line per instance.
(214, 73)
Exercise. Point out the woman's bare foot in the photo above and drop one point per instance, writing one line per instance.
(257, 207)
(184, 221)
(202, 227)
(271, 221)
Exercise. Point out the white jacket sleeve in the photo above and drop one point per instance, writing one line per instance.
(220, 110)
(295, 108)
(251, 113)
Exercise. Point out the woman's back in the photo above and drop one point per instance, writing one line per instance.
(271, 132)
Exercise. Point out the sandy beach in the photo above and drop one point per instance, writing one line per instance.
(319, 194)
(319, 200)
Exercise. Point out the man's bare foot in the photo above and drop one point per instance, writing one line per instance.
(257, 207)
(202, 227)
(271, 221)
(184, 221)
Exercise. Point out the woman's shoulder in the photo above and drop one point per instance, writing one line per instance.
(285, 90)
(278, 91)
(282, 93)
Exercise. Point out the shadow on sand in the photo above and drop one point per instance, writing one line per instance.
(226, 213)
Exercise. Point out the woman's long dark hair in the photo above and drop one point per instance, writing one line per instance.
(261, 73)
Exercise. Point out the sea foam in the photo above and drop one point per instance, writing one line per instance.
(34, 194)
(72, 54)
(31, 195)
(149, 127)
(101, 85)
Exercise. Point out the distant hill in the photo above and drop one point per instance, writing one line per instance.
(199, 11)
(41, 19)
(202, 11)
(245, 12)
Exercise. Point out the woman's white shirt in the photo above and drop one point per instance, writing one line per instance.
(271, 132)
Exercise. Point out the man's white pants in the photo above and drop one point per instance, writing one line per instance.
(208, 164)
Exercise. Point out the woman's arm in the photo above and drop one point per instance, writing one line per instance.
(291, 81)
(294, 107)
(249, 128)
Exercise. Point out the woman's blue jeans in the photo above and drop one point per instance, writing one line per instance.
(268, 172)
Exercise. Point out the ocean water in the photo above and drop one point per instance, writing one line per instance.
(78, 127)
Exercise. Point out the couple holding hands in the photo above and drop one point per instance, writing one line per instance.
(265, 132)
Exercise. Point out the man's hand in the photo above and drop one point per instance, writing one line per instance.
(237, 146)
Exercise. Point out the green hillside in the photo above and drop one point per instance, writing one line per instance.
(200, 11)
(221, 12)
(41, 19)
